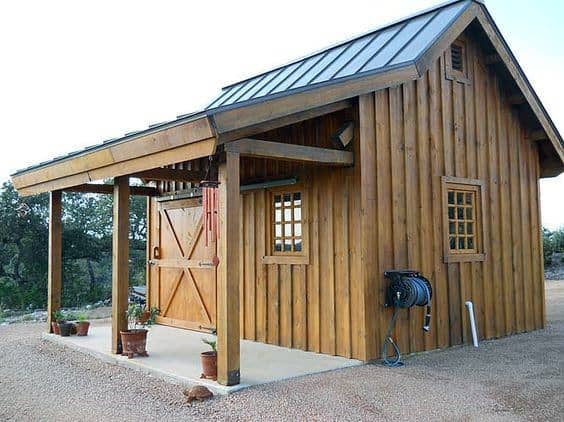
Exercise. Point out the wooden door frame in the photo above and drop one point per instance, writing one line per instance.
(184, 263)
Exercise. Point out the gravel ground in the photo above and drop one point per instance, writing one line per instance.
(515, 378)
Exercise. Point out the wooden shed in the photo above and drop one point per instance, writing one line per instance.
(419, 145)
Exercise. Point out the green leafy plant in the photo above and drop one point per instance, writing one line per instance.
(70, 316)
(139, 316)
(211, 343)
(58, 316)
(81, 318)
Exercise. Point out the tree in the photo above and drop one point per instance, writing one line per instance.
(552, 242)
(87, 247)
(23, 248)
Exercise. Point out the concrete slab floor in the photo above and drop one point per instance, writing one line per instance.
(174, 355)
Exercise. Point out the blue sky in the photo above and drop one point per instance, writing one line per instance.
(76, 73)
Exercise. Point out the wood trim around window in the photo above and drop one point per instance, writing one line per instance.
(287, 258)
(453, 74)
(469, 185)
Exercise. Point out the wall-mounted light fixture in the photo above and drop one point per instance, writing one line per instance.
(344, 135)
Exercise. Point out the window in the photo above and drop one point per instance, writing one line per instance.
(456, 62)
(287, 236)
(462, 205)
(456, 57)
(287, 212)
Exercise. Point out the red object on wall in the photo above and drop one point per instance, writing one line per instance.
(210, 199)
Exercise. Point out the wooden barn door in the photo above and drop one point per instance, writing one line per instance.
(181, 267)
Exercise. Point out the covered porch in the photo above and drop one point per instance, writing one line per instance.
(174, 357)
(153, 156)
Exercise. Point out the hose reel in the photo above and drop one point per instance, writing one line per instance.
(407, 288)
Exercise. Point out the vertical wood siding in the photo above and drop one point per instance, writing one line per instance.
(436, 127)
(316, 306)
(422, 130)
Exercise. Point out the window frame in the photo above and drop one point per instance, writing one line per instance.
(453, 74)
(286, 257)
(469, 185)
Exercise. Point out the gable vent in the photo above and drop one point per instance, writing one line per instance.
(456, 56)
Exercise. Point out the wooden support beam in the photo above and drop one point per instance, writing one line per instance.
(265, 126)
(120, 260)
(175, 175)
(290, 152)
(537, 135)
(109, 189)
(516, 99)
(492, 59)
(368, 223)
(228, 330)
(55, 260)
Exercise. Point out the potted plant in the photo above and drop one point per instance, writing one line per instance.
(134, 339)
(82, 325)
(209, 360)
(65, 327)
(71, 317)
(56, 317)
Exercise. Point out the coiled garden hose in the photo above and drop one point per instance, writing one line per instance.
(406, 289)
(388, 341)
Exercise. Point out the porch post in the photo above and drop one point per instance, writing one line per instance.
(120, 260)
(228, 272)
(368, 225)
(54, 272)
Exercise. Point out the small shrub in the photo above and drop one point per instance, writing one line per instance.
(141, 316)
(211, 343)
(58, 316)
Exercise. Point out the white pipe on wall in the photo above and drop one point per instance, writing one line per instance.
(470, 307)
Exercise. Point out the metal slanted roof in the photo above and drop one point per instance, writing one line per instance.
(155, 127)
(385, 48)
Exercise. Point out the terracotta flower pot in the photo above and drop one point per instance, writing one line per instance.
(55, 328)
(73, 328)
(65, 328)
(134, 342)
(144, 317)
(209, 365)
(82, 328)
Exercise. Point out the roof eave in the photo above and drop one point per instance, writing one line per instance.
(479, 12)
(235, 117)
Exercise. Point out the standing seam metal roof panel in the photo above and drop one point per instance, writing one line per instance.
(387, 47)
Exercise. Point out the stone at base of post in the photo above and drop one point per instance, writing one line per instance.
(118, 349)
(233, 377)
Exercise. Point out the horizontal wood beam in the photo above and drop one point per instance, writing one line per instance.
(183, 153)
(174, 175)
(516, 99)
(290, 152)
(118, 152)
(537, 135)
(109, 189)
(291, 119)
(492, 59)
